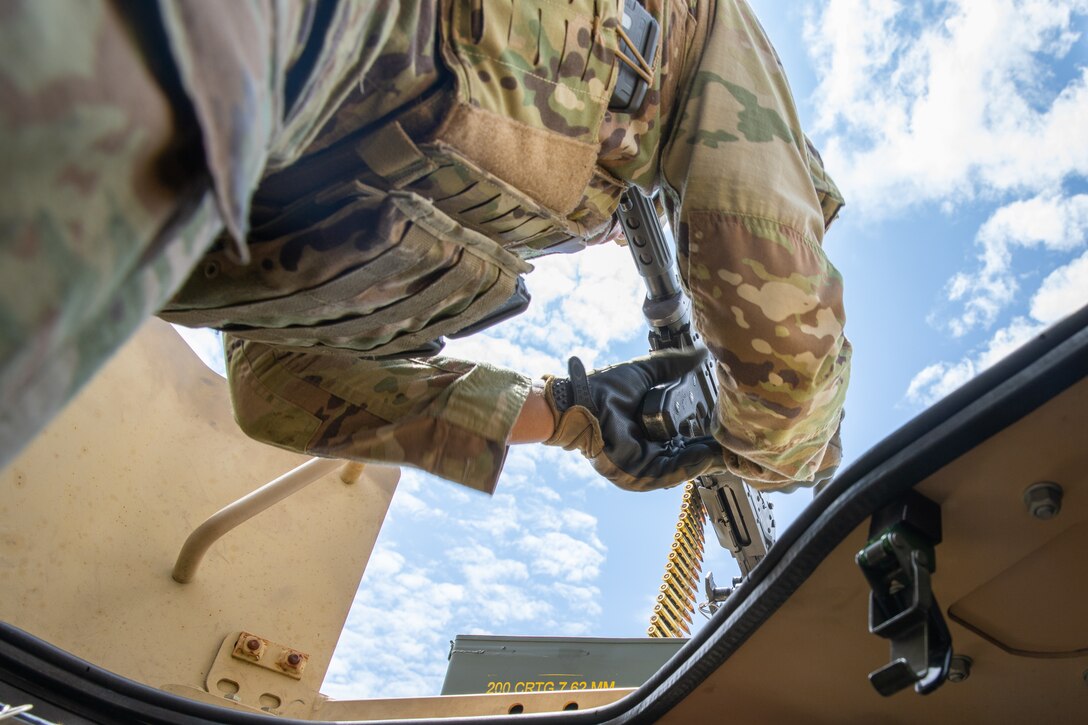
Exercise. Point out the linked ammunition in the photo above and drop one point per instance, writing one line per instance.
(674, 605)
(678, 598)
(680, 615)
(672, 623)
(677, 568)
(678, 542)
(689, 560)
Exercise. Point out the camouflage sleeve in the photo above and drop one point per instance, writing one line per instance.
(130, 134)
(753, 202)
(102, 213)
(449, 417)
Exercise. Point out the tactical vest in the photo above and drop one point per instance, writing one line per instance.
(420, 226)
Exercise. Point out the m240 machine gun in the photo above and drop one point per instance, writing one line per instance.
(742, 519)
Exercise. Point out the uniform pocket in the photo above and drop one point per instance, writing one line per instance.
(546, 64)
(422, 276)
(533, 79)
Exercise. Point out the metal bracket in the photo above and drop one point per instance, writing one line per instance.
(897, 562)
(259, 673)
(716, 595)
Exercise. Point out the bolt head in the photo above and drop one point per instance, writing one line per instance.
(959, 668)
(1043, 500)
(293, 659)
(253, 645)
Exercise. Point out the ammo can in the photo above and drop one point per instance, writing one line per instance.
(482, 664)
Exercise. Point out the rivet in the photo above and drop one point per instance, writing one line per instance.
(293, 659)
(253, 644)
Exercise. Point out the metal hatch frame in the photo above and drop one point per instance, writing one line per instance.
(1037, 372)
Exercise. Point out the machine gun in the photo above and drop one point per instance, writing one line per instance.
(742, 518)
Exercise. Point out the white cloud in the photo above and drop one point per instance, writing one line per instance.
(1007, 339)
(385, 563)
(562, 556)
(525, 560)
(506, 352)
(481, 567)
(579, 520)
(946, 101)
(407, 614)
(1062, 292)
(1052, 222)
(938, 380)
(581, 305)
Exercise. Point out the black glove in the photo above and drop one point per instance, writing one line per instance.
(600, 415)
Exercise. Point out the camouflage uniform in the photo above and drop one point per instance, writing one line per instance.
(410, 179)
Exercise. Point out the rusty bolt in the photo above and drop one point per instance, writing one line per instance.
(249, 646)
(292, 662)
(1043, 500)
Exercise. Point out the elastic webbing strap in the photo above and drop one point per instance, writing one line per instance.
(392, 155)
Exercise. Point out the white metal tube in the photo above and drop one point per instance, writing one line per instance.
(245, 508)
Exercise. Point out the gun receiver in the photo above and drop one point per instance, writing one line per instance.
(741, 517)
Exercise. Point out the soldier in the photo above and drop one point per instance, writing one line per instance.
(373, 176)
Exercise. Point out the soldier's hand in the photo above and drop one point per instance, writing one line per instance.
(599, 415)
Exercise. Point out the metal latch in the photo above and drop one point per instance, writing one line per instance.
(898, 561)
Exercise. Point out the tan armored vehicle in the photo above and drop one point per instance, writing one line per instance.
(960, 540)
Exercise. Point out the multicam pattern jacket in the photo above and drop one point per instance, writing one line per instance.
(410, 157)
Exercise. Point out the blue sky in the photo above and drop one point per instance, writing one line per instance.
(956, 131)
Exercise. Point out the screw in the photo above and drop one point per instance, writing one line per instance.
(253, 644)
(1043, 500)
(959, 668)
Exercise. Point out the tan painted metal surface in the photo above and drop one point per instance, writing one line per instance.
(94, 513)
(466, 705)
(1015, 575)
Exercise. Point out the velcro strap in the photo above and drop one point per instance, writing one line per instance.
(579, 385)
(392, 155)
(561, 394)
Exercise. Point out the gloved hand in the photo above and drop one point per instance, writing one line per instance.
(600, 415)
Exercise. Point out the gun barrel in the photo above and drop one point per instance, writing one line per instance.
(666, 307)
(648, 245)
